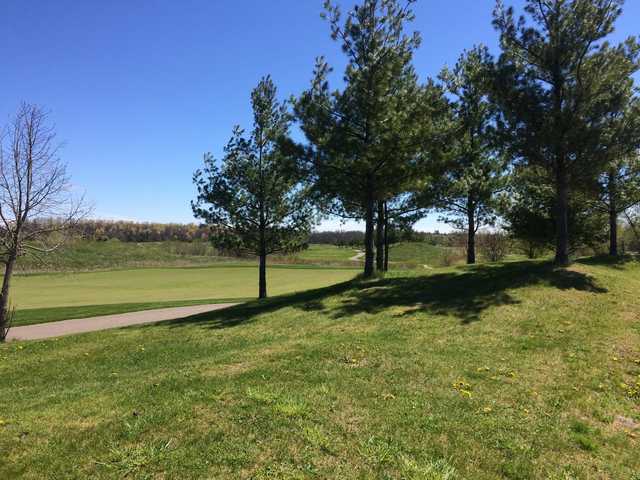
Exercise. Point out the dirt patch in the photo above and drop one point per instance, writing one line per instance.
(625, 424)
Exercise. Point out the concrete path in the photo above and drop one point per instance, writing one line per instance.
(82, 325)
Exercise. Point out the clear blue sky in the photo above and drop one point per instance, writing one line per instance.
(139, 90)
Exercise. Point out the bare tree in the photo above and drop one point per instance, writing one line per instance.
(37, 206)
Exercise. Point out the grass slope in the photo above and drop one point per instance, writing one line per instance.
(419, 253)
(82, 256)
(113, 254)
(326, 253)
(508, 371)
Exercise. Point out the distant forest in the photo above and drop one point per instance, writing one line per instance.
(127, 231)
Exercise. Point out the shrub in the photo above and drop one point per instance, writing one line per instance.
(450, 256)
(493, 246)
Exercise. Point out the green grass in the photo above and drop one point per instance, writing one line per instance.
(81, 256)
(421, 253)
(516, 371)
(59, 296)
(327, 253)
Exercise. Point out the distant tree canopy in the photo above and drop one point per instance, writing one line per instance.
(127, 231)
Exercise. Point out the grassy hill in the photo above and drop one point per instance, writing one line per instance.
(418, 254)
(81, 256)
(513, 370)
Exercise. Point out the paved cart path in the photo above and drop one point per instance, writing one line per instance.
(82, 325)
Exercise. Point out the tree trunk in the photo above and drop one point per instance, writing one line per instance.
(562, 218)
(613, 214)
(4, 295)
(471, 232)
(262, 288)
(380, 237)
(369, 266)
(386, 238)
(262, 269)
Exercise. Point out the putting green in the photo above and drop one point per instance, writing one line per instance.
(164, 284)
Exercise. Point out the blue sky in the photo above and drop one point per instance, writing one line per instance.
(139, 90)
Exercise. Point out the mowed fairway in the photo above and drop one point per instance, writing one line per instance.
(164, 284)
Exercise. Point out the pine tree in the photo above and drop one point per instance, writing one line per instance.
(558, 81)
(365, 138)
(466, 193)
(528, 211)
(256, 199)
(618, 186)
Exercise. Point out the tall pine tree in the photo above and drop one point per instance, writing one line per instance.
(466, 193)
(557, 84)
(365, 138)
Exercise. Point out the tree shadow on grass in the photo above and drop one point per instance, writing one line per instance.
(608, 261)
(464, 293)
(309, 300)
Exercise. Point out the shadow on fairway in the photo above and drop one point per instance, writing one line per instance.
(464, 293)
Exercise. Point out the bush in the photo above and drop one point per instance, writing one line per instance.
(451, 256)
(493, 246)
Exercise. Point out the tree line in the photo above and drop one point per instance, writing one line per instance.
(541, 140)
(127, 231)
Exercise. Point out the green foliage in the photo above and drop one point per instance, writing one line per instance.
(126, 231)
(619, 185)
(529, 212)
(256, 200)
(631, 229)
(558, 83)
(365, 140)
(466, 193)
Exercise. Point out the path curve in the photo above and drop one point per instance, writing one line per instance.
(82, 325)
(358, 257)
